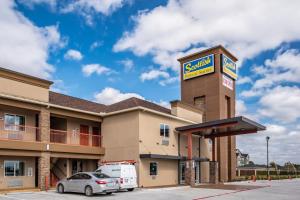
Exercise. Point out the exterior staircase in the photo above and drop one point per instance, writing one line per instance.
(56, 173)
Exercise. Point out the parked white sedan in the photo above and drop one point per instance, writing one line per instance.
(88, 183)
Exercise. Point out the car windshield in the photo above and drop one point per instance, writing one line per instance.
(101, 175)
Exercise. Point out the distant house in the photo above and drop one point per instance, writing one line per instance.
(242, 159)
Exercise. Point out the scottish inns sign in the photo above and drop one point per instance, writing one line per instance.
(198, 67)
(229, 67)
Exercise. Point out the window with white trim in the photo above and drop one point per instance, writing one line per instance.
(14, 168)
(164, 130)
(14, 122)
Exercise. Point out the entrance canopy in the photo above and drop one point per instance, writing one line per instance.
(223, 127)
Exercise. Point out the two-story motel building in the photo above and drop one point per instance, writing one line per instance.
(46, 136)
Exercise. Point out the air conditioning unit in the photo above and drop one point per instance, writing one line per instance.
(165, 141)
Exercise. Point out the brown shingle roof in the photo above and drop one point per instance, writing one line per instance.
(135, 102)
(81, 104)
(73, 102)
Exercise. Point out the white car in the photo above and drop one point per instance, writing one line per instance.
(88, 183)
(126, 173)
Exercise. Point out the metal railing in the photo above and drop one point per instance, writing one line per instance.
(74, 138)
(32, 134)
(18, 132)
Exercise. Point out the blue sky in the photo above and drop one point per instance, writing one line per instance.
(109, 50)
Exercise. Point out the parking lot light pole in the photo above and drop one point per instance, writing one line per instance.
(267, 139)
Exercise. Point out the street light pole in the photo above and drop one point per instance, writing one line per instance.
(268, 138)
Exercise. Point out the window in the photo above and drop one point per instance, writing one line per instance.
(85, 176)
(14, 122)
(74, 177)
(100, 175)
(200, 102)
(153, 169)
(14, 168)
(164, 130)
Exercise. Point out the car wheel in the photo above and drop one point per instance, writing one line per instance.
(108, 193)
(130, 189)
(88, 191)
(60, 188)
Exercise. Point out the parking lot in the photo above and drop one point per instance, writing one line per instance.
(284, 189)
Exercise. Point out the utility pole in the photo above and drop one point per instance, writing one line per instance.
(268, 138)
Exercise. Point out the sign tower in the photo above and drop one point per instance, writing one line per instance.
(208, 82)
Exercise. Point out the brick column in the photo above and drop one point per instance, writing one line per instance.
(190, 173)
(44, 170)
(44, 159)
(213, 172)
(44, 125)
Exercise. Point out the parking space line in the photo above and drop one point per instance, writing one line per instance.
(227, 193)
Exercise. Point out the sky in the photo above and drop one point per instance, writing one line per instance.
(109, 50)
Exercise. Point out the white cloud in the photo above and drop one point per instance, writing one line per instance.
(89, 69)
(87, 8)
(24, 46)
(111, 95)
(96, 44)
(201, 23)
(169, 80)
(73, 54)
(243, 80)
(282, 145)
(32, 3)
(59, 86)
(154, 74)
(240, 107)
(281, 104)
(165, 104)
(283, 68)
(128, 64)
(251, 93)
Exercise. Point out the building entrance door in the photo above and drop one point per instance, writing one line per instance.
(76, 166)
(182, 173)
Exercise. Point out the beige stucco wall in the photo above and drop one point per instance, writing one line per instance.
(120, 136)
(150, 139)
(150, 143)
(27, 181)
(17, 88)
(167, 173)
(187, 114)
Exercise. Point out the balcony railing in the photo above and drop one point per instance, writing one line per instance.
(74, 138)
(32, 134)
(18, 132)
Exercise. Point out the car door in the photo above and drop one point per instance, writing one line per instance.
(70, 185)
(82, 182)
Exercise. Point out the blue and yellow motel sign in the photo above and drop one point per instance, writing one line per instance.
(229, 67)
(198, 67)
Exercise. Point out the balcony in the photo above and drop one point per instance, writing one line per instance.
(74, 138)
(32, 134)
(18, 132)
